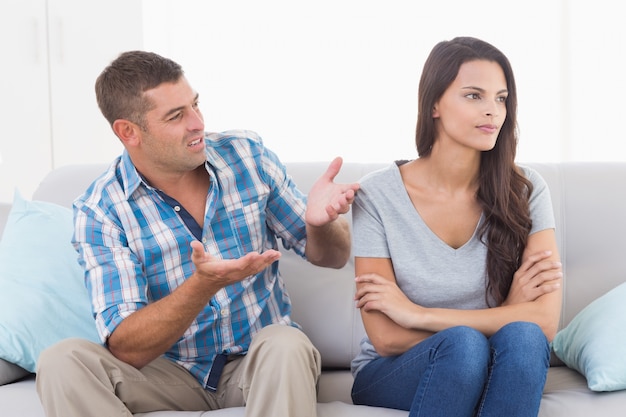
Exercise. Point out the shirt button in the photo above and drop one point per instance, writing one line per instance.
(176, 208)
(224, 313)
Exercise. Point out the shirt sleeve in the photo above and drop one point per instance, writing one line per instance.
(286, 204)
(113, 274)
(541, 211)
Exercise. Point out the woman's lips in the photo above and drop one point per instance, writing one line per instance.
(488, 128)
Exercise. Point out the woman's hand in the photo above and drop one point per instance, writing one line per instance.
(376, 293)
(538, 275)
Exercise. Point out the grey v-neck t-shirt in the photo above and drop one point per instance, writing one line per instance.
(429, 271)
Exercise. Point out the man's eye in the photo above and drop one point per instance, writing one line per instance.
(175, 117)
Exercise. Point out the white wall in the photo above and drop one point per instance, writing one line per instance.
(315, 79)
(52, 51)
(339, 77)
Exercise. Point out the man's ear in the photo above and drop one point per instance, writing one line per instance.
(128, 132)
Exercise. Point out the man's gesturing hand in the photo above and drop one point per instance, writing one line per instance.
(326, 199)
(223, 272)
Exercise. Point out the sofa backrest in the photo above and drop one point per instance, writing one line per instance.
(589, 203)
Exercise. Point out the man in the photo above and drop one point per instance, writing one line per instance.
(178, 239)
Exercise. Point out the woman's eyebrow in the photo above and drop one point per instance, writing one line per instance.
(482, 90)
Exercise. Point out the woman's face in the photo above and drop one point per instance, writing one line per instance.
(472, 110)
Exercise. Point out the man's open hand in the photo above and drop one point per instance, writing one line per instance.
(326, 199)
(223, 272)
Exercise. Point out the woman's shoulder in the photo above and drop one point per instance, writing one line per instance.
(381, 177)
(532, 175)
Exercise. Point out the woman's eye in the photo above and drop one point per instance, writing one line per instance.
(473, 96)
(502, 99)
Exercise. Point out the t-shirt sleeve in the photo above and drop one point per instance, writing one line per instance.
(540, 202)
(369, 237)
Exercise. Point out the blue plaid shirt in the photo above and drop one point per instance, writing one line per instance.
(135, 247)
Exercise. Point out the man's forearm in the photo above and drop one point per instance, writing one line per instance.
(329, 245)
(151, 331)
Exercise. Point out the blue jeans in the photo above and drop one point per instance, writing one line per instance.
(460, 372)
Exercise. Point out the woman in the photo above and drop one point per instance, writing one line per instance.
(458, 273)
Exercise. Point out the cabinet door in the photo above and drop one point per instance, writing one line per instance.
(84, 37)
(25, 144)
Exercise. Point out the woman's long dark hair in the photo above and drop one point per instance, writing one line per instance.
(503, 191)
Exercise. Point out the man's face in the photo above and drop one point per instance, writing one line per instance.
(173, 138)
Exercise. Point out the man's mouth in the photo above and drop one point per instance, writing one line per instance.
(195, 142)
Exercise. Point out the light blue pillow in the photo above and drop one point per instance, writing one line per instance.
(594, 342)
(42, 296)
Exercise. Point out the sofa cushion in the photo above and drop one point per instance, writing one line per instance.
(42, 298)
(10, 372)
(593, 342)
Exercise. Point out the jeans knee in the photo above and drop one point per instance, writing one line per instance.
(522, 328)
(470, 349)
(521, 337)
(466, 341)
(522, 346)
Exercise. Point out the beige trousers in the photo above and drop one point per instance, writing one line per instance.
(278, 378)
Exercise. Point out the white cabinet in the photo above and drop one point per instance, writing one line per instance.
(52, 51)
(25, 135)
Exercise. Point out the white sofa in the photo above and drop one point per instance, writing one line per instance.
(589, 204)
